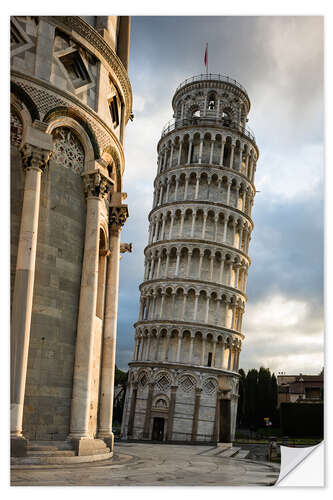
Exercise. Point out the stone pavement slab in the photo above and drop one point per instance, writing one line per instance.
(146, 464)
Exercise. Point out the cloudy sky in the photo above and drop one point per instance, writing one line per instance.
(279, 60)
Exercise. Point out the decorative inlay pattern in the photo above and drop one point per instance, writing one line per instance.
(209, 386)
(16, 129)
(163, 382)
(143, 380)
(187, 383)
(68, 150)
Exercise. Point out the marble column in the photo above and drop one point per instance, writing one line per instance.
(221, 270)
(167, 191)
(184, 307)
(197, 188)
(211, 152)
(171, 412)
(163, 227)
(148, 411)
(132, 410)
(186, 187)
(225, 228)
(204, 226)
(34, 160)
(189, 152)
(222, 153)
(180, 152)
(117, 218)
(171, 155)
(158, 336)
(167, 264)
(189, 255)
(200, 150)
(211, 268)
(200, 264)
(229, 356)
(97, 187)
(202, 354)
(148, 347)
(207, 309)
(179, 346)
(228, 192)
(196, 306)
(222, 353)
(190, 354)
(214, 353)
(232, 155)
(196, 413)
(162, 302)
(217, 416)
(181, 225)
(168, 339)
(171, 225)
(193, 223)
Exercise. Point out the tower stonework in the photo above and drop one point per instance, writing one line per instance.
(183, 380)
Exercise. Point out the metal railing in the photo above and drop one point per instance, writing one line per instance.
(211, 76)
(196, 120)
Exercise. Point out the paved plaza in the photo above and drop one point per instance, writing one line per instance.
(146, 464)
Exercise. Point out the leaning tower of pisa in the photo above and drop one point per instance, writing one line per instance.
(183, 380)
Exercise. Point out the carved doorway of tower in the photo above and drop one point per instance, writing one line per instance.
(158, 429)
(159, 417)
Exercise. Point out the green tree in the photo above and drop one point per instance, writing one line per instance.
(264, 396)
(120, 378)
(251, 388)
(275, 412)
(241, 399)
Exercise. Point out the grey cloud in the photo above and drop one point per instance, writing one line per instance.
(279, 60)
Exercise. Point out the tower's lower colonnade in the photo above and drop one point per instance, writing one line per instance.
(187, 343)
(175, 402)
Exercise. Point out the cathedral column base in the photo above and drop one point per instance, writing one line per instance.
(90, 446)
(224, 445)
(108, 439)
(18, 446)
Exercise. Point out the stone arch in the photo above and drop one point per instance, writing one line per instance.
(17, 107)
(160, 402)
(111, 155)
(79, 131)
(61, 113)
(22, 96)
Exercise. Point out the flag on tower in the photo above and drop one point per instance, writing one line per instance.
(206, 57)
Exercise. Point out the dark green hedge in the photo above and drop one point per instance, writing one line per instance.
(302, 419)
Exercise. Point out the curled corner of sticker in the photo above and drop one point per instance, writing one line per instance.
(302, 466)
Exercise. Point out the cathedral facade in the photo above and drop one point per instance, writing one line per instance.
(71, 99)
(183, 379)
